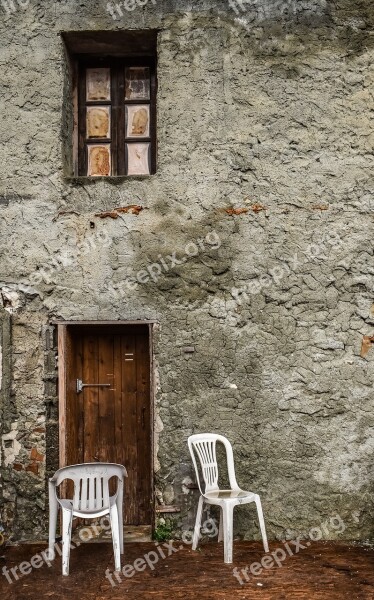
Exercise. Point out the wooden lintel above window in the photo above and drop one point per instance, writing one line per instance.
(137, 42)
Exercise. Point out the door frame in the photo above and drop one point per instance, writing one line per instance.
(63, 370)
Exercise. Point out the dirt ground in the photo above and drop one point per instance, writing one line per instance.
(171, 570)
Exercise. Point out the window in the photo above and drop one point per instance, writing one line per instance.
(116, 118)
(113, 89)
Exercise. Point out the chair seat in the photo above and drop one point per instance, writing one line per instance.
(229, 495)
(68, 505)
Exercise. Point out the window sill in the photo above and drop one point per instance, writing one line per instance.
(115, 180)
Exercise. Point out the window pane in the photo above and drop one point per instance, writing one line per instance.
(98, 84)
(137, 119)
(138, 159)
(99, 160)
(137, 83)
(98, 122)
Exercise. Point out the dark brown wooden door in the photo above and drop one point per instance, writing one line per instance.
(109, 420)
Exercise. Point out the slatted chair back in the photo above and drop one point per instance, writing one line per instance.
(91, 484)
(203, 446)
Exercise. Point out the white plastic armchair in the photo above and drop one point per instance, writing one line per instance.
(203, 447)
(91, 500)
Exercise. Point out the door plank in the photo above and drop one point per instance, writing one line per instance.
(91, 396)
(117, 400)
(71, 403)
(143, 426)
(129, 434)
(105, 445)
(78, 349)
(64, 432)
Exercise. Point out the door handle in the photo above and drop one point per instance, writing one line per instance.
(81, 385)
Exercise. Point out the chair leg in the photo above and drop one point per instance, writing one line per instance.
(262, 523)
(228, 528)
(53, 510)
(116, 537)
(120, 527)
(220, 531)
(67, 517)
(196, 533)
(120, 514)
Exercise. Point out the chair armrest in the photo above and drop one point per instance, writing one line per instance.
(119, 491)
(52, 486)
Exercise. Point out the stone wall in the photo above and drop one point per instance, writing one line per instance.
(264, 191)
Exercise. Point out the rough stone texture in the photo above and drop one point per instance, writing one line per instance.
(269, 109)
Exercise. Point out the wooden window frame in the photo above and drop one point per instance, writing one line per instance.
(118, 139)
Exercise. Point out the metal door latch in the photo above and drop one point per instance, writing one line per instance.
(81, 385)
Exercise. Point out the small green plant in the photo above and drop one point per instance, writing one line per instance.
(164, 530)
(3, 537)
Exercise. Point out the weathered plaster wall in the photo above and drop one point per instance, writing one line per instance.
(272, 114)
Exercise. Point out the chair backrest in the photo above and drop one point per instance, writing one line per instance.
(204, 446)
(91, 483)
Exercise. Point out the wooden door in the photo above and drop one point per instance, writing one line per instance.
(108, 408)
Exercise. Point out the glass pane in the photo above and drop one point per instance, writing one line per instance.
(98, 84)
(137, 120)
(99, 160)
(98, 122)
(137, 83)
(137, 159)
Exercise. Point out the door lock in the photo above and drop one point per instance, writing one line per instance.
(81, 385)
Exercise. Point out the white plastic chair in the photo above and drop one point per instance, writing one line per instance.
(204, 446)
(91, 500)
